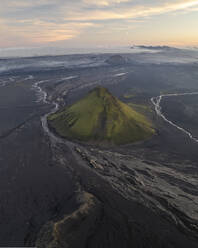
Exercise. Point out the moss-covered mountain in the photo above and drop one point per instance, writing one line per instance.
(101, 118)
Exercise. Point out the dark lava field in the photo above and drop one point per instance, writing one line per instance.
(57, 193)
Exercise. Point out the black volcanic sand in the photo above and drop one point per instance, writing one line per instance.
(42, 183)
(14, 107)
(32, 186)
(183, 111)
(117, 222)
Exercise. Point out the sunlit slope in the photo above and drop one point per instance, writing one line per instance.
(100, 117)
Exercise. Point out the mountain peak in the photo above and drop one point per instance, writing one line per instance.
(101, 91)
(100, 117)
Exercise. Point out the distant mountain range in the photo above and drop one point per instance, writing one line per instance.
(153, 47)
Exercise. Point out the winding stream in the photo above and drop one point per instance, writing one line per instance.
(39, 89)
(158, 109)
(53, 137)
(155, 101)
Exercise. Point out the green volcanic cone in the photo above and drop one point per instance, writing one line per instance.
(100, 118)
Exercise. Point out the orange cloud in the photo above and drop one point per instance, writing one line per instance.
(130, 12)
(36, 31)
(69, 20)
(104, 2)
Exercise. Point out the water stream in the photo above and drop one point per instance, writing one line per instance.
(158, 109)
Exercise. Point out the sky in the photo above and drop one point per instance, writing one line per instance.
(98, 23)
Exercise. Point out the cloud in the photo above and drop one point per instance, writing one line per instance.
(104, 2)
(39, 31)
(42, 21)
(131, 11)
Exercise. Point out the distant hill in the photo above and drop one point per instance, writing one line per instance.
(116, 60)
(153, 47)
(101, 118)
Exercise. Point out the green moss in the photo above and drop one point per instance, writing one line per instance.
(128, 96)
(141, 108)
(100, 117)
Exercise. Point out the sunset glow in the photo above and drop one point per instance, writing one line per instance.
(98, 23)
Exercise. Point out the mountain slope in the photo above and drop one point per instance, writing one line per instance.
(100, 117)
